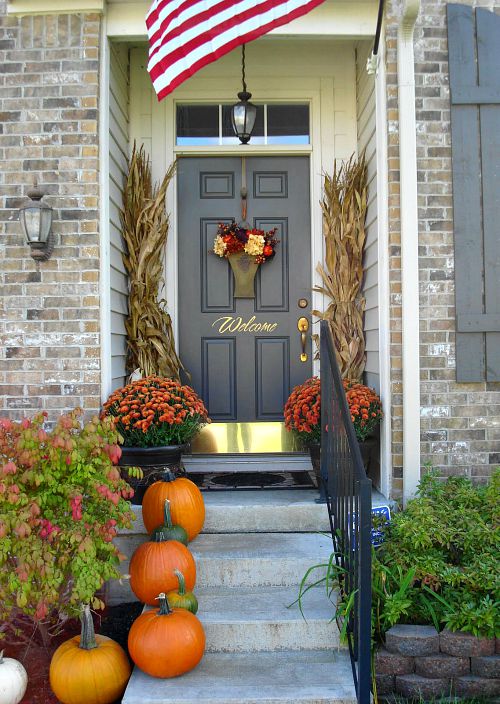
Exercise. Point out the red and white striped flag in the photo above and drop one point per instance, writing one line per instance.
(185, 35)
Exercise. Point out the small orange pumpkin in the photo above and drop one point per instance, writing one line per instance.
(172, 532)
(186, 504)
(152, 567)
(89, 669)
(180, 598)
(166, 642)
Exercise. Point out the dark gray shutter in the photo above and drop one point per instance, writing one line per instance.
(474, 56)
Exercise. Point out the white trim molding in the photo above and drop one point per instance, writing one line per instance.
(384, 326)
(49, 7)
(104, 278)
(353, 20)
(409, 248)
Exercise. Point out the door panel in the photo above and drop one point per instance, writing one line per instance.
(216, 289)
(218, 361)
(272, 358)
(243, 354)
(271, 285)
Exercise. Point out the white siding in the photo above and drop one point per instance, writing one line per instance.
(118, 154)
(366, 125)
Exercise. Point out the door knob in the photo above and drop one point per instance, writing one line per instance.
(303, 327)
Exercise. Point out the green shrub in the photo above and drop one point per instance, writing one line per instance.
(440, 562)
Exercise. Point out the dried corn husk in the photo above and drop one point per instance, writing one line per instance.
(145, 224)
(344, 206)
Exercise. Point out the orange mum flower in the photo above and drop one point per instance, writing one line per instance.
(156, 411)
(303, 409)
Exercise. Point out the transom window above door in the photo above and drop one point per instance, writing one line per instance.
(210, 125)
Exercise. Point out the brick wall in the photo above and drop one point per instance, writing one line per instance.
(49, 320)
(460, 423)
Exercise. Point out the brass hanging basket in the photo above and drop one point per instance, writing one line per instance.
(244, 269)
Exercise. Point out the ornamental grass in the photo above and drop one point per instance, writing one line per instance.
(156, 412)
(344, 205)
(303, 410)
(145, 226)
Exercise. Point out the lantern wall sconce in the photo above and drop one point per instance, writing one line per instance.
(36, 222)
(243, 113)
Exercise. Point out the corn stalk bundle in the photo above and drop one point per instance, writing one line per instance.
(145, 224)
(344, 205)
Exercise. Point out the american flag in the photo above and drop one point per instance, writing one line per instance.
(185, 35)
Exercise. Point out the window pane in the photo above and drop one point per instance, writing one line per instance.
(197, 124)
(227, 128)
(288, 124)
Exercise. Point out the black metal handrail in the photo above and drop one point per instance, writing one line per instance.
(348, 497)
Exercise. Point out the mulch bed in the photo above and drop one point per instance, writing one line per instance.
(115, 622)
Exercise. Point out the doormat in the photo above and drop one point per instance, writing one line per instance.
(253, 480)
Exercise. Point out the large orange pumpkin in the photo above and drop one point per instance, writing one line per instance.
(186, 504)
(166, 642)
(152, 568)
(89, 669)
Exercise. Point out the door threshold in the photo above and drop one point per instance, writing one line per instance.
(234, 463)
(253, 438)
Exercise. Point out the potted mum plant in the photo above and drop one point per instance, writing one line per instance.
(156, 418)
(62, 501)
(303, 417)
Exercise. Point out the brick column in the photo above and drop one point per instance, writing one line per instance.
(49, 329)
(459, 422)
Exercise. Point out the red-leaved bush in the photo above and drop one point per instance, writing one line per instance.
(62, 501)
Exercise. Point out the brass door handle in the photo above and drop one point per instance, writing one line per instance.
(303, 327)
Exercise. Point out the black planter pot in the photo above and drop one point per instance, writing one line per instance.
(315, 454)
(367, 448)
(153, 461)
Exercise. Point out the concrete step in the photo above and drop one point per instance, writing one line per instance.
(288, 677)
(241, 559)
(264, 511)
(258, 559)
(255, 619)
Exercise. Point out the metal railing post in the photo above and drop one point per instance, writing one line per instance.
(348, 497)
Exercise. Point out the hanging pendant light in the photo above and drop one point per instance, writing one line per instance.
(243, 113)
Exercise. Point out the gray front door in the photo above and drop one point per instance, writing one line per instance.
(243, 369)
